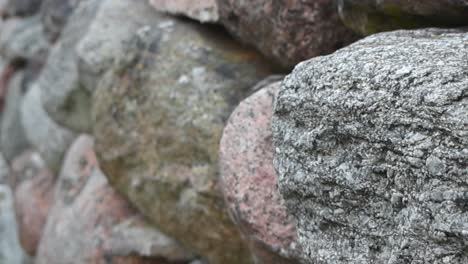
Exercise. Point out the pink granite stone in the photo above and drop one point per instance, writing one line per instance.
(249, 183)
(90, 223)
(32, 183)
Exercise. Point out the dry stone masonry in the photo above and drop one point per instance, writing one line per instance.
(233, 132)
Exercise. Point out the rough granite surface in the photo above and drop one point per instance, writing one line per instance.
(372, 150)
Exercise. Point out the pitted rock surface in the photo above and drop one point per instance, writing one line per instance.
(372, 149)
(249, 182)
(371, 16)
(287, 31)
(158, 117)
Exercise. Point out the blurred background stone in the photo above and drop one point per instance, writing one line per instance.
(49, 138)
(201, 10)
(33, 185)
(286, 31)
(10, 249)
(90, 223)
(371, 16)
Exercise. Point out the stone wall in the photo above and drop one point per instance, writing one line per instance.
(233, 132)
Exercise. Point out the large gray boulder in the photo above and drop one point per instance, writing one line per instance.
(371, 16)
(372, 150)
(158, 118)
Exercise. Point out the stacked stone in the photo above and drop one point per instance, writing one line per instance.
(157, 131)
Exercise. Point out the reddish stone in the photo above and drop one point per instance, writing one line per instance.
(90, 223)
(33, 184)
(288, 31)
(201, 10)
(249, 183)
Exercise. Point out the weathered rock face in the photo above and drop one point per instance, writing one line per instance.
(371, 149)
(248, 180)
(90, 223)
(201, 10)
(33, 185)
(12, 136)
(54, 15)
(50, 139)
(10, 250)
(159, 113)
(64, 97)
(371, 16)
(284, 30)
